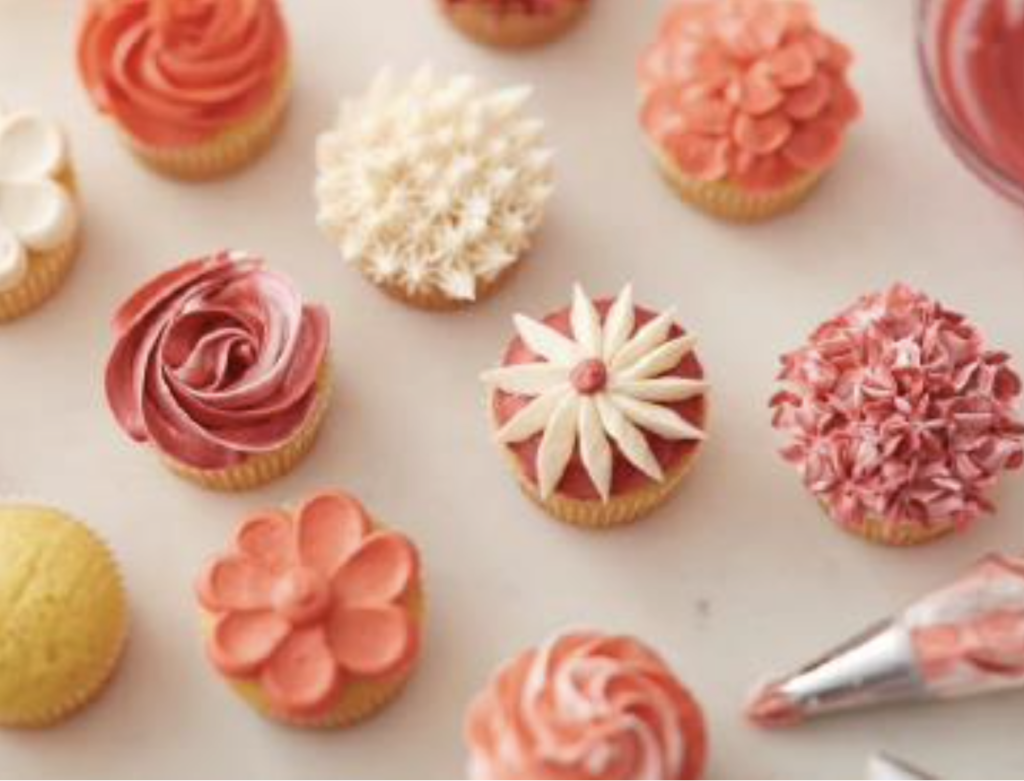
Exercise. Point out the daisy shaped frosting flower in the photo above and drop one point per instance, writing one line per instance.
(601, 390)
(305, 606)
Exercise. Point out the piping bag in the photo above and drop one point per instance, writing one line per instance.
(963, 640)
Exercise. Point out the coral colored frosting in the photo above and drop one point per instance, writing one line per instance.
(216, 361)
(575, 483)
(897, 411)
(746, 91)
(306, 606)
(178, 72)
(586, 706)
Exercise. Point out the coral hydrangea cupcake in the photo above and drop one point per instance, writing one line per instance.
(601, 408)
(900, 418)
(222, 368)
(586, 705)
(745, 103)
(39, 215)
(198, 88)
(314, 616)
(433, 187)
(64, 615)
(514, 23)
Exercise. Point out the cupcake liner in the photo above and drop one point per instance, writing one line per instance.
(512, 28)
(900, 535)
(436, 300)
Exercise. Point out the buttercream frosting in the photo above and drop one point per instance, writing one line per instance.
(433, 184)
(305, 606)
(586, 705)
(897, 411)
(600, 391)
(216, 361)
(37, 212)
(179, 72)
(749, 92)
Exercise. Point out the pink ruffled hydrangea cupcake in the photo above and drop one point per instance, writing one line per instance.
(745, 103)
(899, 418)
(513, 24)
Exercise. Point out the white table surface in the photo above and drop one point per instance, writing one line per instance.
(737, 577)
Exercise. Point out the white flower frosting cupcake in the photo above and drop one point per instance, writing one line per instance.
(434, 187)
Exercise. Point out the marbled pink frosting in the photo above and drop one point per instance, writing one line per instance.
(897, 411)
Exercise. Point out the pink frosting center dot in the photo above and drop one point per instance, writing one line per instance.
(301, 596)
(590, 377)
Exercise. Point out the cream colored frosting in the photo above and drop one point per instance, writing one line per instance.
(37, 214)
(433, 184)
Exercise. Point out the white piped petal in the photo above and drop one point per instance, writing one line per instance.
(662, 389)
(586, 324)
(527, 379)
(557, 445)
(662, 360)
(618, 326)
(594, 448)
(547, 342)
(657, 419)
(31, 147)
(533, 418)
(13, 260)
(646, 339)
(630, 440)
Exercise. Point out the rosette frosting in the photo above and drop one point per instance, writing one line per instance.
(216, 361)
(897, 411)
(586, 706)
(746, 91)
(178, 72)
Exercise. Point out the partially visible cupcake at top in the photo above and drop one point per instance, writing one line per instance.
(601, 408)
(745, 103)
(434, 186)
(197, 88)
(514, 24)
(222, 368)
(586, 705)
(63, 615)
(39, 213)
(314, 616)
(900, 418)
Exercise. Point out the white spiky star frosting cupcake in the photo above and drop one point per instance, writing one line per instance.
(601, 407)
(433, 187)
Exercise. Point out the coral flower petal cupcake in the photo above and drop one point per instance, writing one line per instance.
(900, 418)
(198, 88)
(222, 369)
(39, 214)
(601, 408)
(586, 705)
(63, 615)
(433, 187)
(314, 617)
(514, 24)
(745, 103)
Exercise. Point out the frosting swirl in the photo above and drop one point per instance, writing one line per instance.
(586, 706)
(216, 361)
(178, 72)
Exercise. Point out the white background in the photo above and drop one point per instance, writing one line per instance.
(737, 577)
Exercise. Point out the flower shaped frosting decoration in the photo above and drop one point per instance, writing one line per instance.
(747, 91)
(305, 605)
(604, 386)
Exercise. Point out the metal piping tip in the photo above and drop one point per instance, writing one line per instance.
(885, 767)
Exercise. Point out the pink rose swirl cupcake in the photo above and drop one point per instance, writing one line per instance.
(314, 617)
(899, 418)
(513, 24)
(197, 88)
(586, 705)
(222, 369)
(745, 103)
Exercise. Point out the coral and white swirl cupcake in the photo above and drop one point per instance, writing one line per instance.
(198, 88)
(601, 408)
(433, 187)
(514, 24)
(900, 418)
(39, 214)
(222, 368)
(586, 705)
(746, 103)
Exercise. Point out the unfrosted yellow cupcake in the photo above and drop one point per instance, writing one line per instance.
(63, 615)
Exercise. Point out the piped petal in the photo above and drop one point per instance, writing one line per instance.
(646, 339)
(595, 451)
(527, 379)
(330, 528)
(371, 641)
(301, 677)
(618, 325)
(241, 643)
(532, 418)
(586, 324)
(557, 444)
(546, 341)
(381, 571)
(661, 360)
(630, 440)
(235, 583)
(657, 419)
(268, 538)
(662, 389)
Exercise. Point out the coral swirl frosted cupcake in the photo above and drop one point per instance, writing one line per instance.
(745, 103)
(899, 418)
(63, 615)
(586, 705)
(601, 408)
(434, 187)
(198, 88)
(221, 367)
(39, 216)
(314, 617)
(514, 23)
